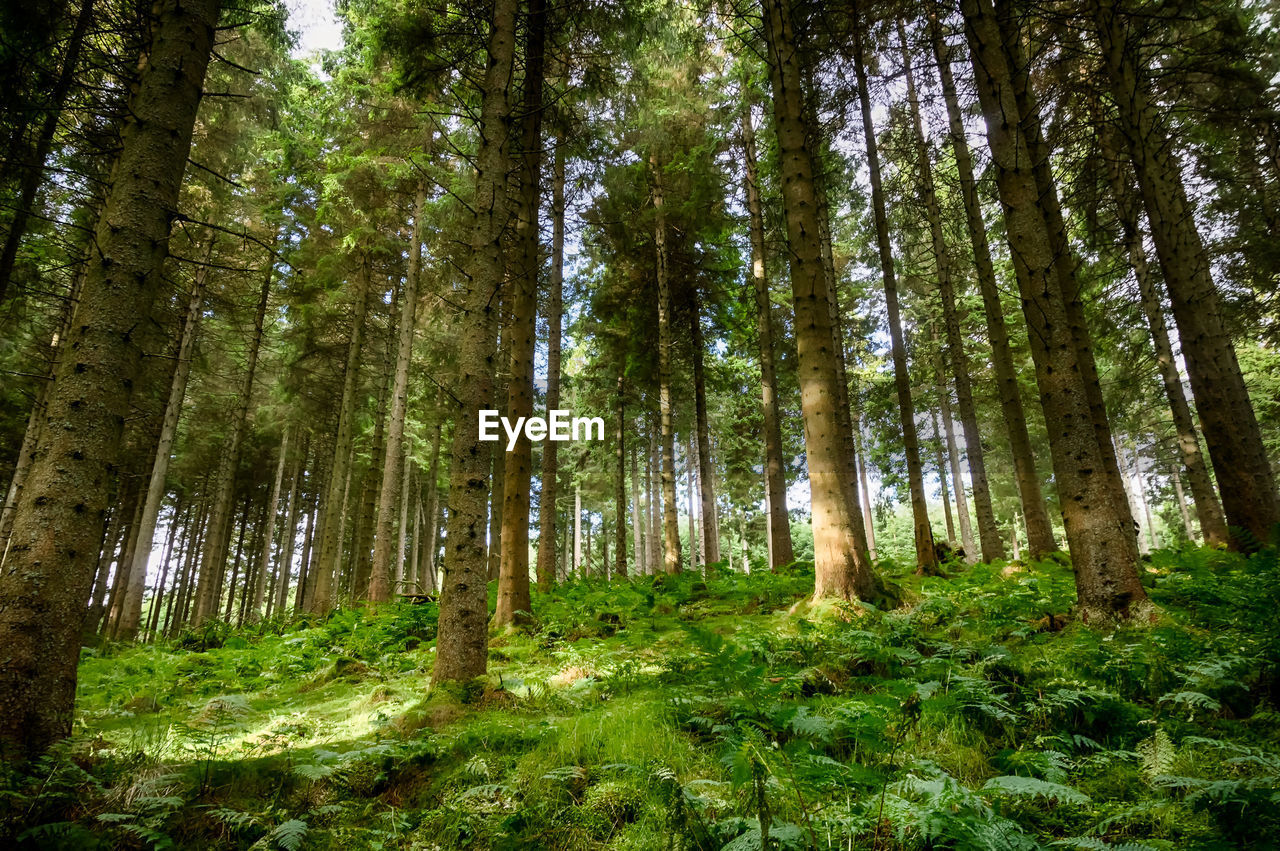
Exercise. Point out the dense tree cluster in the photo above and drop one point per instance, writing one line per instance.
(837, 276)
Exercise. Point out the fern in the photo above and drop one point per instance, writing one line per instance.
(1155, 755)
(1012, 784)
(288, 835)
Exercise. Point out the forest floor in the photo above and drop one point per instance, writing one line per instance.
(675, 713)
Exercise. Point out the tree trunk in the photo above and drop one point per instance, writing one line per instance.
(33, 171)
(1245, 477)
(577, 530)
(620, 488)
(546, 568)
(236, 559)
(380, 589)
(289, 534)
(320, 596)
(132, 609)
(841, 565)
(462, 646)
(268, 534)
(498, 459)
(305, 563)
(373, 477)
(926, 557)
(690, 467)
(706, 481)
(60, 516)
(942, 477)
(651, 498)
(433, 507)
(158, 593)
(670, 520)
(865, 490)
(215, 552)
(513, 577)
(1213, 525)
(988, 533)
(1097, 519)
(779, 524)
(637, 523)
(1039, 527)
(957, 477)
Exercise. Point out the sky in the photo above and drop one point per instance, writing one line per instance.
(317, 25)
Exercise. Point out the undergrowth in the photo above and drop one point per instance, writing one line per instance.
(678, 713)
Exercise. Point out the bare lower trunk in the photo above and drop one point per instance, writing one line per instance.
(1039, 527)
(706, 479)
(462, 646)
(1213, 525)
(670, 522)
(393, 452)
(320, 596)
(546, 568)
(1245, 478)
(1098, 523)
(841, 565)
(132, 609)
(60, 515)
(268, 533)
(637, 524)
(942, 479)
(778, 523)
(926, 557)
(989, 535)
(214, 561)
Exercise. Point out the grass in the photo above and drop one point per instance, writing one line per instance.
(675, 713)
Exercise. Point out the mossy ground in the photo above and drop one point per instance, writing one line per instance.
(674, 713)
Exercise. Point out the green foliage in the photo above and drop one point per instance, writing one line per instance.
(674, 712)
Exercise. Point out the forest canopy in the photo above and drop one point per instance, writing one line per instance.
(927, 353)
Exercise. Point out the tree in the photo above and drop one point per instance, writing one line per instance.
(59, 520)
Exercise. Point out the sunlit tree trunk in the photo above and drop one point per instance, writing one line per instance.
(1096, 515)
(841, 565)
(620, 487)
(637, 524)
(513, 579)
(706, 481)
(268, 534)
(941, 464)
(60, 516)
(462, 646)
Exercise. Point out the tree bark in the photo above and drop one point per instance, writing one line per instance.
(34, 170)
(215, 553)
(637, 524)
(546, 568)
(779, 525)
(706, 480)
(988, 532)
(1245, 478)
(131, 611)
(1096, 515)
(620, 487)
(941, 464)
(393, 453)
(841, 565)
(462, 646)
(60, 516)
(1213, 525)
(926, 556)
(320, 596)
(1039, 527)
(670, 521)
(513, 576)
(268, 534)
